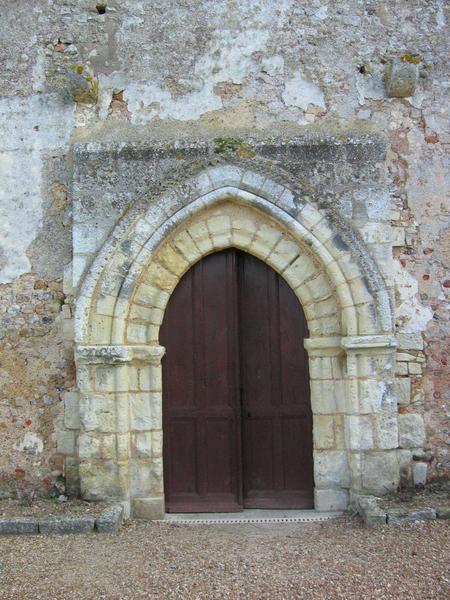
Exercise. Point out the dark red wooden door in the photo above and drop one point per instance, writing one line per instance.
(236, 411)
(276, 434)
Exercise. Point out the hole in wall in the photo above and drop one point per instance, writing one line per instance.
(101, 8)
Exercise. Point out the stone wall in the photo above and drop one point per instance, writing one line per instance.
(199, 81)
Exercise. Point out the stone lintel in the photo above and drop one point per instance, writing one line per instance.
(118, 354)
(371, 343)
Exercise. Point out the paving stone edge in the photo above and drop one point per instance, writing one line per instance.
(373, 515)
(109, 521)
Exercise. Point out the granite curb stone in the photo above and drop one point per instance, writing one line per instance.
(66, 525)
(110, 520)
(18, 526)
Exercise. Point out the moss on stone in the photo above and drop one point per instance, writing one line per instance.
(411, 58)
(224, 145)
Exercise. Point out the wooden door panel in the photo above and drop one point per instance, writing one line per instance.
(277, 451)
(181, 438)
(258, 444)
(199, 331)
(236, 411)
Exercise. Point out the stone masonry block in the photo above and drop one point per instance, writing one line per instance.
(411, 430)
(100, 413)
(330, 500)
(71, 410)
(403, 391)
(82, 524)
(359, 432)
(386, 431)
(151, 508)
(331, 468)
(380, 471)
(65, 442)
(18, 526)
(323, 430)
(401, 77)
(110, 520)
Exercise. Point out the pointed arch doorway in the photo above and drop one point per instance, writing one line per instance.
(236, 404)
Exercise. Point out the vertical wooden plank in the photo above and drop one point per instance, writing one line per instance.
(200, 334)
(277, 448)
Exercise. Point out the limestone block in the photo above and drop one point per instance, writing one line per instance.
(199, 232)
(372, 394)
(320, 367)
(150, 379)
(158, 276)
(330, 500)
(359, 432)
(323, 431)
(187, 247)
(403, 391)
(398, 236)
(65, 442)
(172, 260)
(97, 413)
(102, 480)
(411, 430)
(146, 477)
(111, 378)
(331, 469)
(401, 77)
(71, 410)
(283, 254)
(309, 216)
(141, 444)
(409, 341)
(380, 471)
(265, 239)
(414, 368)
(386, 431)
(150, 509)
(157, 443)
(300, 270)
(136, 333)
(401, 369)
(146, 411)
(243, 231)
(327, 396)
(105, 447)
(151, 296)
(318, 288)
(419, 472)
(85, 380)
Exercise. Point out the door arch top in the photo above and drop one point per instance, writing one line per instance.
(333, 246)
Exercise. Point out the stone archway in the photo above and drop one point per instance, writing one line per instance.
(121, 306)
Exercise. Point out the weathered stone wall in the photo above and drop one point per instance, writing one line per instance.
(87, 71)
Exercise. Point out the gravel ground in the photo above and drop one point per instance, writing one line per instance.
(332, 559)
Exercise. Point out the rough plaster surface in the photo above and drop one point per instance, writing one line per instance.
(171, 72)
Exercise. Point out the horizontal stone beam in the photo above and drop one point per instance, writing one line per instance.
(368, 342)
(118, 354)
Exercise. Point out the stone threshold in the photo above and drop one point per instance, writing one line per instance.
(109, 521)
(250, 516)
(374, 515)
